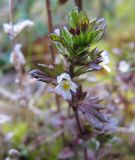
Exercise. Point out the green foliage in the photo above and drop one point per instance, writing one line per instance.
(74, 42)
(79, 35)
(18, 130)
(51, 71)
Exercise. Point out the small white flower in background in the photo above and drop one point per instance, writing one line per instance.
(4, 118)
(124, 66)
(116, 51)
(106, 60)
(7, 27)
(65, 86)
(17, 57)
(132, 45)
(57, 31)
(15, 29)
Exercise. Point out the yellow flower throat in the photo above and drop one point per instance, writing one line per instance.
(66, 85)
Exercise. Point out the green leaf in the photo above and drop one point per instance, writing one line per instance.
(97, 35)
(79, 70)
(51, 71)
(73, 18)
(67, 39)
(89, 37)
(84, 24)
(62, 50)
(92, 25)
(81, 35)
(55, 38)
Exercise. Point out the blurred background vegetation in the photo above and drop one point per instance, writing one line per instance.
(29, 131)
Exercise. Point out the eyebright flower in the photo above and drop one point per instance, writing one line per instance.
(106, 60)
(15, 29)
(123, 66)
(65, 86)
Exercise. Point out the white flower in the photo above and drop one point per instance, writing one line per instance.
(17, 57)
(15, 29)
(123, 66)
(4, 118)
(106, 60)
(65, 86)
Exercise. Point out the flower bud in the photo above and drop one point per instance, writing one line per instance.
(13, 153)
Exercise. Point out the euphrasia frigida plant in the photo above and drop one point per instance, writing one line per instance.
(74, 43)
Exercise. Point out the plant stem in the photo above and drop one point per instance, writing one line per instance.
(85, 153)
(81, 132)
(58, 103)
(77, 120)
(11, 12)
(79, 4)
(50, 26)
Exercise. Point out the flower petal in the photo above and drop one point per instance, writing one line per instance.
(58, 89)
(73, 86)
(67, 95)
(21, 25)
(63, 76)
(57, 31)
(7, 28)
(17, 28)
(105, 67)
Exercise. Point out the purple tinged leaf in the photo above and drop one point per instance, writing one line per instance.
(37, 74)
(40, 76)
(110, 126)
(95, 66)
(101, 24)
(93, 121)
(91, 110)
(66, 153)
(98, 60)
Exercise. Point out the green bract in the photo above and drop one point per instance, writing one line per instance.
(79, 35)
(51, 71)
